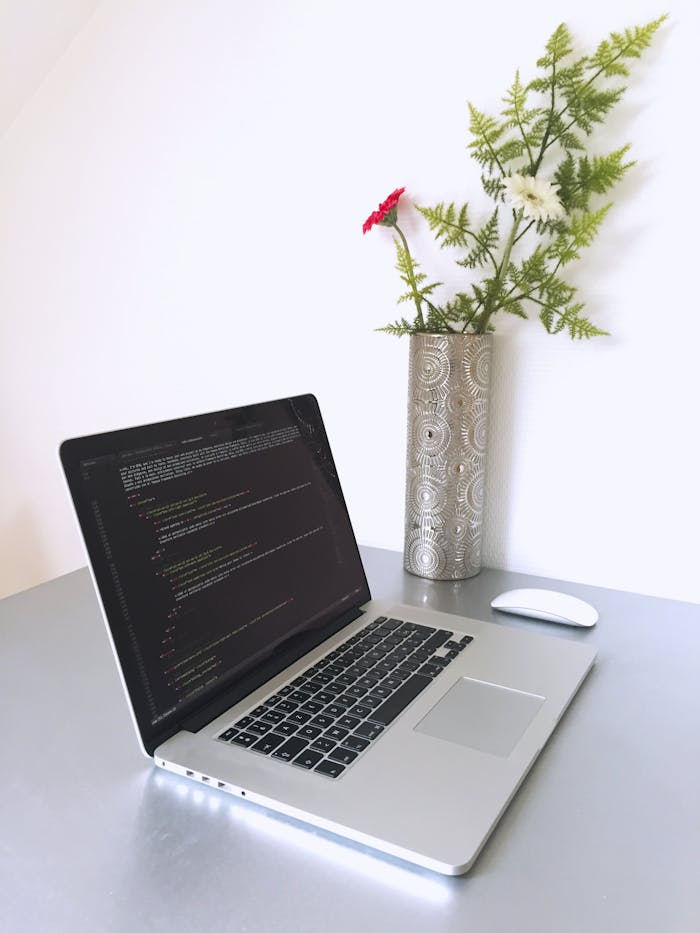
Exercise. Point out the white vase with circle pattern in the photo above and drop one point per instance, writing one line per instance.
(448, 395)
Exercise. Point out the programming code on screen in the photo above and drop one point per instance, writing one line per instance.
(219, 547)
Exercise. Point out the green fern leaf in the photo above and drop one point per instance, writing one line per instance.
(486, 242)
(608, 58)
(557, 47)
(494, 188)
(450, 224)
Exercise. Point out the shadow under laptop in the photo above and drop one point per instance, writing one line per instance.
(239, 850)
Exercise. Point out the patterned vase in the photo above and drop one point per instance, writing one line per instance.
(448, 393)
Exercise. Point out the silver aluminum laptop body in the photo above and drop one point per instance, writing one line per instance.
(432, 784)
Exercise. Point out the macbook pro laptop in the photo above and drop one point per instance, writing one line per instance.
(255, 660)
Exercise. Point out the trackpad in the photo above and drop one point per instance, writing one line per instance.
(480, 715)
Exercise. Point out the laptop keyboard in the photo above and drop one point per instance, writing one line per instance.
(324, 719)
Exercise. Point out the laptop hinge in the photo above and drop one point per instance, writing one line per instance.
(282, 657)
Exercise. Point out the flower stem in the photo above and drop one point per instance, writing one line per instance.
(489, 311)
(411, 277)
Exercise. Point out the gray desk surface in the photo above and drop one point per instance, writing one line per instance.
(604, 835)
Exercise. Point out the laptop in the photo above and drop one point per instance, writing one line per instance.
(255, 660)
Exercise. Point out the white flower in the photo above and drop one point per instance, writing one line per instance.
(538, 198)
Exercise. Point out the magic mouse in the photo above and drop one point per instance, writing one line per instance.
(548, 605)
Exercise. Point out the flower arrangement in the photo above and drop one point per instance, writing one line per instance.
(533, 169)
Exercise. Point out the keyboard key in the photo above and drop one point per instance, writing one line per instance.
(348, 722)
(345, 679)
(322, 677)
(441, 660)
(322, 720)
(375, 655)
(336, 733)
(334, 710)
(369, 681)
(299, 696)
(381, 691)
(229, 734)
(430, 670)
(244, 738)
(290, 749)
(286, 706)
(360, 710)
(287, 728)
(323, 745)
(356, 743)
(258, 711)
(392, 641)
(333, 688)
(273, 716)
(355, 691)
(371, 640)
(344, 755)
(391, 682)
(299, 718)
(242, 723)
(352, 655)
(399, 700)
(331, 768)
(268, 743)
(308, 732)
(422, 654)
(345, 700)
(307, 759)
(312, 707)
(311, 686)
(437, 639)
(368, 730)
(324, 697)
(259, 727)
(421, 629)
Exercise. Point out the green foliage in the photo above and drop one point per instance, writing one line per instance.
(544, 122)
(408, 271)
(451, 225)
(579, 179)
(486, 243)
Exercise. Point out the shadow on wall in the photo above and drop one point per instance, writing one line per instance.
(23, 559)
(500, 459)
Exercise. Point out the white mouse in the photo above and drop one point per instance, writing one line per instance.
(548, 605)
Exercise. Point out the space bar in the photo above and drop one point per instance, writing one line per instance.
(398, 701)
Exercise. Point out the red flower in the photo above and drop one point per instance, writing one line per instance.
(385, 208)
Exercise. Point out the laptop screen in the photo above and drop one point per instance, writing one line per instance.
(213, 539)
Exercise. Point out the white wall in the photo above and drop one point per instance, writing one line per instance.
(180, 213)
(34, 34)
